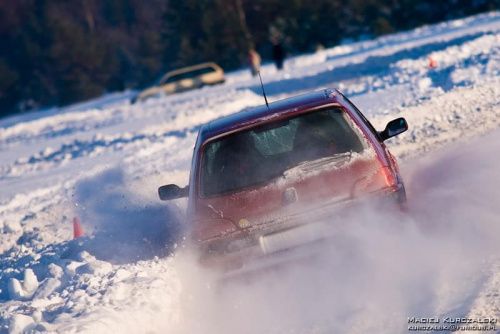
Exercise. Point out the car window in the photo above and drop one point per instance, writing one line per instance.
(210, 152)
(189, 75)
(264, 152)
(204, 70)
(179, 77)
(275, 141)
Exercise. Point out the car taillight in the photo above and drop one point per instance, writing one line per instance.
(382, 178)
(390, 179)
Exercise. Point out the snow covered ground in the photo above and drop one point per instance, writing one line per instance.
(103, 160)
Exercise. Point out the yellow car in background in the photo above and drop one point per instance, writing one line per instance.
(184, 79)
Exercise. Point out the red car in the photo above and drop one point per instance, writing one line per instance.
(265, 180)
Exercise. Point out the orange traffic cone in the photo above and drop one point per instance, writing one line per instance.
(77, 228)
(432, 62)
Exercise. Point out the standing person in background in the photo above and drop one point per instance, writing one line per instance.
(254, 61)
(278, 54)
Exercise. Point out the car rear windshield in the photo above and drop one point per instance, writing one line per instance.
(258, 155)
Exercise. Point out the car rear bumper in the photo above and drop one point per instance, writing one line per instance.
(265, 245)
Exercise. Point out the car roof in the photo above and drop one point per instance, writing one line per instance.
(262, 114)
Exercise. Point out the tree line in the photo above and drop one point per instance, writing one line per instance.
(56, 52)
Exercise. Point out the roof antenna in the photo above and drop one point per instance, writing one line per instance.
(263, 91)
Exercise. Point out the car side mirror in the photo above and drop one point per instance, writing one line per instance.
(172, 191)
(394, 128)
